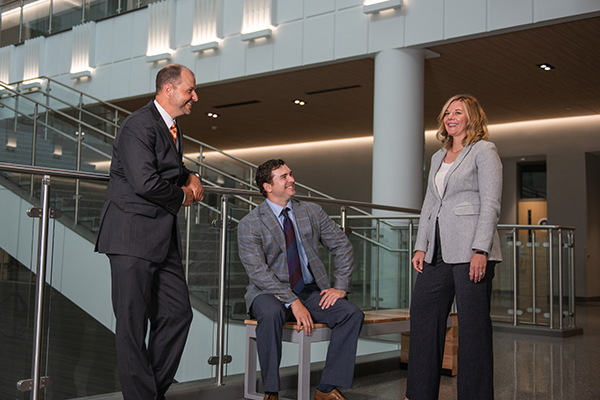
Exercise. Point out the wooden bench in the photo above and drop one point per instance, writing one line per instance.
(377, 322)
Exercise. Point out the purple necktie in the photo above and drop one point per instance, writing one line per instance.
(296, 281)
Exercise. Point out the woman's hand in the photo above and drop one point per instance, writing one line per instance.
(417, 260)
(477, 270)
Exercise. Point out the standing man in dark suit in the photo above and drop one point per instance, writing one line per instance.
(278, 245)
(140, 235)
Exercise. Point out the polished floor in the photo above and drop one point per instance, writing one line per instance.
(526, 367)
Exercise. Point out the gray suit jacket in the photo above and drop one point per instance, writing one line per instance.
(262, 250)
(144, 191)
(469, 211)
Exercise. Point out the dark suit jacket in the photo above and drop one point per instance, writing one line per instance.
(144, 191)
(262, 250)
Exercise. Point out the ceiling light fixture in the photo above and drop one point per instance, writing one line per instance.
(545, 67)
(213, 115)
(299, 102)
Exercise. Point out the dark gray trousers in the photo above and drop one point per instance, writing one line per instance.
(433, 294)
(344, 318)
(143, 291)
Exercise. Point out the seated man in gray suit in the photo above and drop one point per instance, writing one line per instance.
(278, 245)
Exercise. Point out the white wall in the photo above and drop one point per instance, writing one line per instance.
(307, 33)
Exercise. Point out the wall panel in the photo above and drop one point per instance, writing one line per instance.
(318, 39)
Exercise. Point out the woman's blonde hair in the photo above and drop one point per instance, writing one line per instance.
(476, 121)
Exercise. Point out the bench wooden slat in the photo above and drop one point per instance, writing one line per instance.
(288, 325)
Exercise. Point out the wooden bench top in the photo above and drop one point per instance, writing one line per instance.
(371, 317)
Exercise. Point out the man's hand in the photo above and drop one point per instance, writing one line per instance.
(303, 317)
(189, 196)
(193, 182)
(330, 296)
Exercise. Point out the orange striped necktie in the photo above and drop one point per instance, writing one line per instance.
(173, 131)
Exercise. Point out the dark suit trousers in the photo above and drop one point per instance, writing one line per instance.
(143, 291)
(433, 294)
(344, 318)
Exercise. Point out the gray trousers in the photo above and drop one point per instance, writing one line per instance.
(344, 318)
(433, 294)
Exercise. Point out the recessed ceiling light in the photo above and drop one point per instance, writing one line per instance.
(212, 115)
(299, 102)
(545, 67)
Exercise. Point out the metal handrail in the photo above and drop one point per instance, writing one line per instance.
(225, 192)
(78, 121)
(97, 100)
(58, 131)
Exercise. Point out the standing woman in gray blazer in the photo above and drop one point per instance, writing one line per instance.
(457, 248)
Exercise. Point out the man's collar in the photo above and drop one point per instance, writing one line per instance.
(164, 114)
(277, 208)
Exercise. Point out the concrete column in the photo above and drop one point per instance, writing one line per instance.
(398, 139)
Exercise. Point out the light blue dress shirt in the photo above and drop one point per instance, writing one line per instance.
(306, 275)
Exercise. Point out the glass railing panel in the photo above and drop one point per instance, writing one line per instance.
(203, 244)
(9, 25)
(100, 9)
(66, 14)
(77, 351)
(36, 19)
(361, 283)
(538, 263)
(17, 304)
(502, 306)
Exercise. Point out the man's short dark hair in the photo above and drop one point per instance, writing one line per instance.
(264, 173)
(169, 74)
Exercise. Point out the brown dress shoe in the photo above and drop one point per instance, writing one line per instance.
(271, 396)
(333, 395)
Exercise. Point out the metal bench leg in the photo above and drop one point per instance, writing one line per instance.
(304, 343)
(250, 371)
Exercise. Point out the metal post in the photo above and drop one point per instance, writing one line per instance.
(344, 219)
(50, 17)
(21, 22)
(376, 274)
(188, 229)
(47, 111)
(34, 143)
(515, 283)
(221, 326)
(78, 159)
(39, 304)
(252, 176)
(116, 123)
(533, 277)
(82, 11)
(572, 278)
(410, 254)
(560, 280)
(551, 276)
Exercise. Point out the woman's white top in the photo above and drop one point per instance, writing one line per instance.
(440, 176)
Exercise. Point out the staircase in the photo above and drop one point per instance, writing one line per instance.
(71, 126)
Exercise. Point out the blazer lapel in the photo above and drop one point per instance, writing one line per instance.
(162, 127)
(456, 163)
(435, 166)
(302, 223)
(270, 220)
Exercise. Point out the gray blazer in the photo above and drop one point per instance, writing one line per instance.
(469, 211)
(262, 250)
